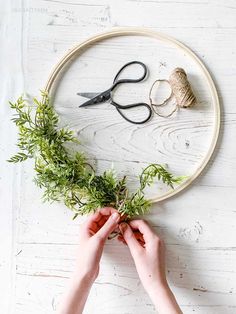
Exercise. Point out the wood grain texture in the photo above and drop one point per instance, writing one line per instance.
(198, 225)
(137, 43)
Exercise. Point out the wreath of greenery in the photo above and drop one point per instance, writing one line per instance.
(66, 175)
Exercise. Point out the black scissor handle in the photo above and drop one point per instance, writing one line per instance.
(116, 81)
(119, 108)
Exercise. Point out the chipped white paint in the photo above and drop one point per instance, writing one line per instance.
(199, 225)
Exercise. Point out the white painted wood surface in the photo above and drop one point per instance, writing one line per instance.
(39, 241)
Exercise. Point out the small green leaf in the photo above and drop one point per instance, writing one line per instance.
(67, 176)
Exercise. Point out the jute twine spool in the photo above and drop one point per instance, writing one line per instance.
(180, 89)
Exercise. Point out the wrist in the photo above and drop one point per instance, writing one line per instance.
(156, 285)
(158, 289)
(163, 299)
(82, 280)
(76, 296)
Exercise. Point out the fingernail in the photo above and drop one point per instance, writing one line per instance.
(115, 216)
(123, 227)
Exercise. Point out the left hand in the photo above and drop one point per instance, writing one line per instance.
(92, 236)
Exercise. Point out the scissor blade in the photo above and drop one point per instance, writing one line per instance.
(99, 98)
(87, 103)
(88, 95)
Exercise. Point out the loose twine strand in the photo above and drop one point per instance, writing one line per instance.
(180, 89)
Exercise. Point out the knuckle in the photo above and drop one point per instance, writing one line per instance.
(144, 222)
(140, 222)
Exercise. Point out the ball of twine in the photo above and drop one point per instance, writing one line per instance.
(180, 89)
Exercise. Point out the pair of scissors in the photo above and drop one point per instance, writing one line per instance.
(107, 95)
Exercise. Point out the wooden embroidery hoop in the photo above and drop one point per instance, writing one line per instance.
(129, 31)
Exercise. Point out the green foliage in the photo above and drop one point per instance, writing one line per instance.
(67, 176)
(158, 171)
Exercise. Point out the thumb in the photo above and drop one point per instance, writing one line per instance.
(109, 226)
(130, 239)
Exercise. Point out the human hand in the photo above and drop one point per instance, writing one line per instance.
(92, 236)
(147, 250)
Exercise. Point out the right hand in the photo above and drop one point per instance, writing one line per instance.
(147, 250)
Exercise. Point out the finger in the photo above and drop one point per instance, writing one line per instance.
(105, 214)
(94, 217)
(93, 228)
(151, 239)
(130, 239)
(99, 217)
(139, 236)
(109, 226)
(90, 225)
(107, 211)
(121, 239)
(123, 217)
(144, 228)
(140, 240)
(102, 221)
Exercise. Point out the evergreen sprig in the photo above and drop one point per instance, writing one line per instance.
(67, 176)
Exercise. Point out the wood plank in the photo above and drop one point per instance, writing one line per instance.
(197, 275)
(198, 225)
